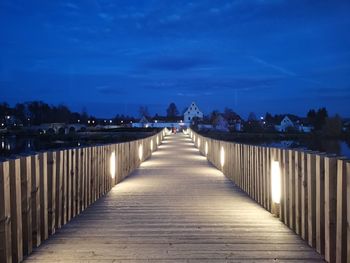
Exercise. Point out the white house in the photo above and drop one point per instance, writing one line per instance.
(192, 112)
(288, 123)
(285, 124)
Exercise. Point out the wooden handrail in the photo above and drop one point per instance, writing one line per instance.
(42, 192)
(315, 189)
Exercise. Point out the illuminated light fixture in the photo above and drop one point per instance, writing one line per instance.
(275, 182)
(151, 145)
(88, 121)
(199, 142)
(112, 164)
(140, 152)
(222, 156)
(206, 148)
(110, 121)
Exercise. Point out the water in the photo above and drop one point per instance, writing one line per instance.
(11, 145)
(338, 147)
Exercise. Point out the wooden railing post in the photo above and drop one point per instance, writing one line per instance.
(341, 238)
(51, 191)
(311, 198)
(330, 208)
(320, 189)
(43, 196)
(26, 194)
(291, 188)
(16, 211)
(348, 209)
(5, 214)
(36, 204)
(64, 175)
(59, 188)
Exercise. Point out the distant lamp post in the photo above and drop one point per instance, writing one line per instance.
(78, 121)
(8, 117)
(121, 121)
(88, 121)
(110, 121)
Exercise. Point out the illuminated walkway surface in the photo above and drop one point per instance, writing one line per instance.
(176, 207)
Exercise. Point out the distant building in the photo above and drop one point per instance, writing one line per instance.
(238, 126)
(285, 124)
(192, 112)
(160, 122)
(220, 124)
(298, 124)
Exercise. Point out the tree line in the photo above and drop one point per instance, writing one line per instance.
(38, 112)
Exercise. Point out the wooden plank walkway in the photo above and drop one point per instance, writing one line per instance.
(175, 208)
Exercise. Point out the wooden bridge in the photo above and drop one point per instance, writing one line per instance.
(175, 207)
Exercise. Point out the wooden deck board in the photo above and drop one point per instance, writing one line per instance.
(175, 208)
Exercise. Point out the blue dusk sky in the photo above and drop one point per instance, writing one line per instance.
(112, 56)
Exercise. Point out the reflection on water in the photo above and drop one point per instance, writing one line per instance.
(12, 145)
(337, 147)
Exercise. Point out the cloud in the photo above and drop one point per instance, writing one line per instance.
(106, 17)
(272, 66)
(109, 90)
(70, 5)
(177, 63)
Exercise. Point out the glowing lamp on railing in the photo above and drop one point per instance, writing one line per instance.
(151, 145)
(112, 165)
(140, 152)
(222, 156)
(206, 148)
(275, 182)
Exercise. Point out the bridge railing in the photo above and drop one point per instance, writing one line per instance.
(308, 191)
(42, 192)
